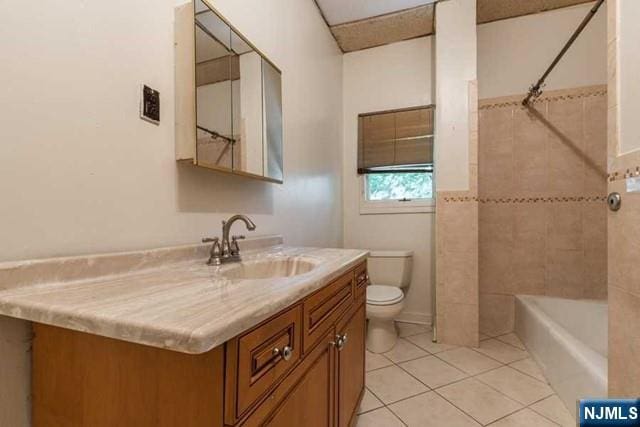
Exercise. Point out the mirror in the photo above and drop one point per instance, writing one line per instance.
(273, 167)
(236, 108)
(247, 108)
(214, 89)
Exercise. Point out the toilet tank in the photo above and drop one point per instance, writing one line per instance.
(390, 268)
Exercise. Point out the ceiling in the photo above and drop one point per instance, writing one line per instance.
(361, 24)
(342, 11)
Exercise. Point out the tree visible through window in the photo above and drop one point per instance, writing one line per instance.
(397, 186)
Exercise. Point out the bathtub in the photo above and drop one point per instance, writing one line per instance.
(568, 339)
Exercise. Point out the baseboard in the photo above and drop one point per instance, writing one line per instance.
(413, 317)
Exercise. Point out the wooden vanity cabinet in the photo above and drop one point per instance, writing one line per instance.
(302, 367)
(350, 363)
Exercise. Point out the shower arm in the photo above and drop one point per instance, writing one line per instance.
(536, 89)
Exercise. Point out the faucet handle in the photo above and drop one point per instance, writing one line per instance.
(235, 249)
(210, 240)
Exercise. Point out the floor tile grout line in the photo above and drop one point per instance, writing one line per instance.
(377, 369)
(446, 363)
(397, 416)
(429, 388)
(376, 396)
(542, 415)
(503, 342)
(468, 376)
(476, 377)
(506, 395)
(527, 374)
(508, 415)
(408, 397)
(388, 409)
(493, 358)
(459, 409)
(473, 375)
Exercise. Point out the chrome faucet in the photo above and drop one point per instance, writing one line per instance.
(227, 251)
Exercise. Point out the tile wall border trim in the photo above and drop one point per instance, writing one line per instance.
(520, 200)
(559, 95)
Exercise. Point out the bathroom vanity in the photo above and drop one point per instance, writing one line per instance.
(159, 338)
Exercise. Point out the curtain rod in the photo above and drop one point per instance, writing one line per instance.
(536, 89)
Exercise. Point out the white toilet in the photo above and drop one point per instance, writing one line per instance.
(390, 272)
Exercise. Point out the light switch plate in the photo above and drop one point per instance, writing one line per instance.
(149, 104)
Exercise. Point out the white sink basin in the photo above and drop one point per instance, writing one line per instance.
(270, 268)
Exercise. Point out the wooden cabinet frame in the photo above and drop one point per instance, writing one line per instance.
(81, 379)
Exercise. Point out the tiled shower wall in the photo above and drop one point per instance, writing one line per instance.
(542, 191)
(624, 228)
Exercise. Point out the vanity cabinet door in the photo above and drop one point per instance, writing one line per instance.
(311, 401)
(259, 359)
(322, 309)
(350, 349)
(362, 279)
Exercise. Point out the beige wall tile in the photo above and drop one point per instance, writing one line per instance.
(564, 226)
(458, 324)
(565, 273)
(624, 245)
(458, 278)
(624, 343)
(496, 314)
(545, 247)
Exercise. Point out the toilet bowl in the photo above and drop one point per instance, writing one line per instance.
(389, 271)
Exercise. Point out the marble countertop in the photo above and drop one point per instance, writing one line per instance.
(182, 305)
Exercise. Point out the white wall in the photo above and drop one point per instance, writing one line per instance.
(81, 173)
(456, 68)
(513, 53)
(383, 78)
(629, 76)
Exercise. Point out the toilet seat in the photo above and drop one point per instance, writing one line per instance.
(384, 295)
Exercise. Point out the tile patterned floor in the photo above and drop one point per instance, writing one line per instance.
(422, 384)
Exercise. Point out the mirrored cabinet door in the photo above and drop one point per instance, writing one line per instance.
(273, 149)
(216, 68)
(247, 108)
(228, 98)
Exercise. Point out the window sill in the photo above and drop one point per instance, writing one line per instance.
(386, 208)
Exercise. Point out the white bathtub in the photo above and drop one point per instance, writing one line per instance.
(568, 339)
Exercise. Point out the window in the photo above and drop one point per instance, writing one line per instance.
(395, 160)
(399, 186)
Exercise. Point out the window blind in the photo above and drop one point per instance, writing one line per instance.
(396, 141)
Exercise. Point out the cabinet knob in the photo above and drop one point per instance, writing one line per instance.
(287, 352)
(341, 341)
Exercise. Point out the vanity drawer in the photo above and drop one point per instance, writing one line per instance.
(324, 307)
(362, 278)
(260, 358)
